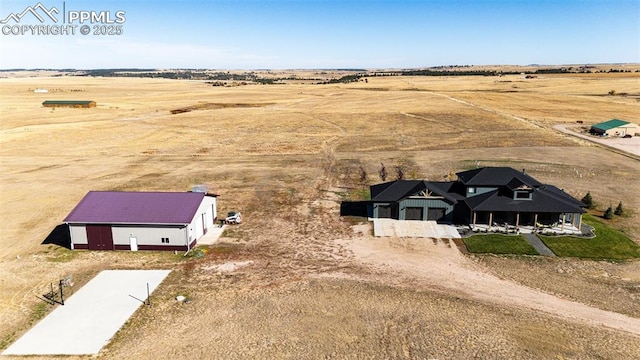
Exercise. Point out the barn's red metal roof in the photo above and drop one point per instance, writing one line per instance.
(116, 207)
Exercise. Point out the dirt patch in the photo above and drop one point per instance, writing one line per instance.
(441, 265)
(213, 106)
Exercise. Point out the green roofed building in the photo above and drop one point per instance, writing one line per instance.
(69, 103)
(614, 127)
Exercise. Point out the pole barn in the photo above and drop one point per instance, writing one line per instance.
(112, 220)
(69, 103)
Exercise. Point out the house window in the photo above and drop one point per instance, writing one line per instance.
(522, 195)
(471, 190)
(165, 240)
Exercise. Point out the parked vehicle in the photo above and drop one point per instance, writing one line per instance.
(233, 218)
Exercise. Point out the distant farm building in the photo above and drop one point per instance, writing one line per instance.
(112, 220)
(69, 103)
(615, 127)
(40, 91)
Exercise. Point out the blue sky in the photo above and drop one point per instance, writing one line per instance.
(252, 34)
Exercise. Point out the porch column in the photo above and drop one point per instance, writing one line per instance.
(474, 219)
(563, 217)
(580, 222)
(517, 219)
(535, 221)
(490, 218)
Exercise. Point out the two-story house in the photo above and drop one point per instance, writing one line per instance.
(489, 195)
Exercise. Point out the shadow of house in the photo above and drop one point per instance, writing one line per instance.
(355, 208)
(59, 236)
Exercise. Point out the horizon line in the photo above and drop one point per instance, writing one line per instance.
(312, 68)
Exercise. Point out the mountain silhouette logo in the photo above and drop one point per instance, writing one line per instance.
(35, 11)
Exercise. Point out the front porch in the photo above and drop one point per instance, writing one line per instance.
(554, 229)
(526, 223)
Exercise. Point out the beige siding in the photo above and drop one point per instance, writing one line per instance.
(78, 234)
(148, 235)
(628, 129)
(204, 218)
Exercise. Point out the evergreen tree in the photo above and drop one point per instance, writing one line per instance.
(608, 214)
(588, 201)
(619, 210)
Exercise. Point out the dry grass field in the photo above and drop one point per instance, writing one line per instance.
(286, 155)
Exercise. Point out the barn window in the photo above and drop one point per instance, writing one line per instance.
(164, 240)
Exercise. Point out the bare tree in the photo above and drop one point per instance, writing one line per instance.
(383, 172)
(363, 175)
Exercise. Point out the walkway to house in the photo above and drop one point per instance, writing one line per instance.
(537, 244)
(212, 235)
(413, 228)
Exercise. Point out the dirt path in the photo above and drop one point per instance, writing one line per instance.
(441, 265)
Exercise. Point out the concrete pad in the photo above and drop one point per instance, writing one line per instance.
(212, 235)
(90, 317)
(414, 228)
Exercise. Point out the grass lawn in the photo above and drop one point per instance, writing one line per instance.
(608, 243)
(499, 244)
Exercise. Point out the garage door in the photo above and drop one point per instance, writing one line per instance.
(435, 214)
(413, 213)
(384, 211)
(99, 237)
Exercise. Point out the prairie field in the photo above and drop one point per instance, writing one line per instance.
(318, 285)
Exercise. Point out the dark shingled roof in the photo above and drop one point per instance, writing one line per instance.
(395, 190)
(495, 176)
(400, 189)
(544, 200)
(112, 207)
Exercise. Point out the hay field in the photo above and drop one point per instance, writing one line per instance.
(285, 155)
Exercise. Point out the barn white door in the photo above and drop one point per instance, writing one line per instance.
(133, 243)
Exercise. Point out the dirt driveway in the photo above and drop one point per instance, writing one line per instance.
(440, 264)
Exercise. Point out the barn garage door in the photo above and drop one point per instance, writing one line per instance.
(413, 213)
(384, 211)
(99, 237)
(435, 214)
